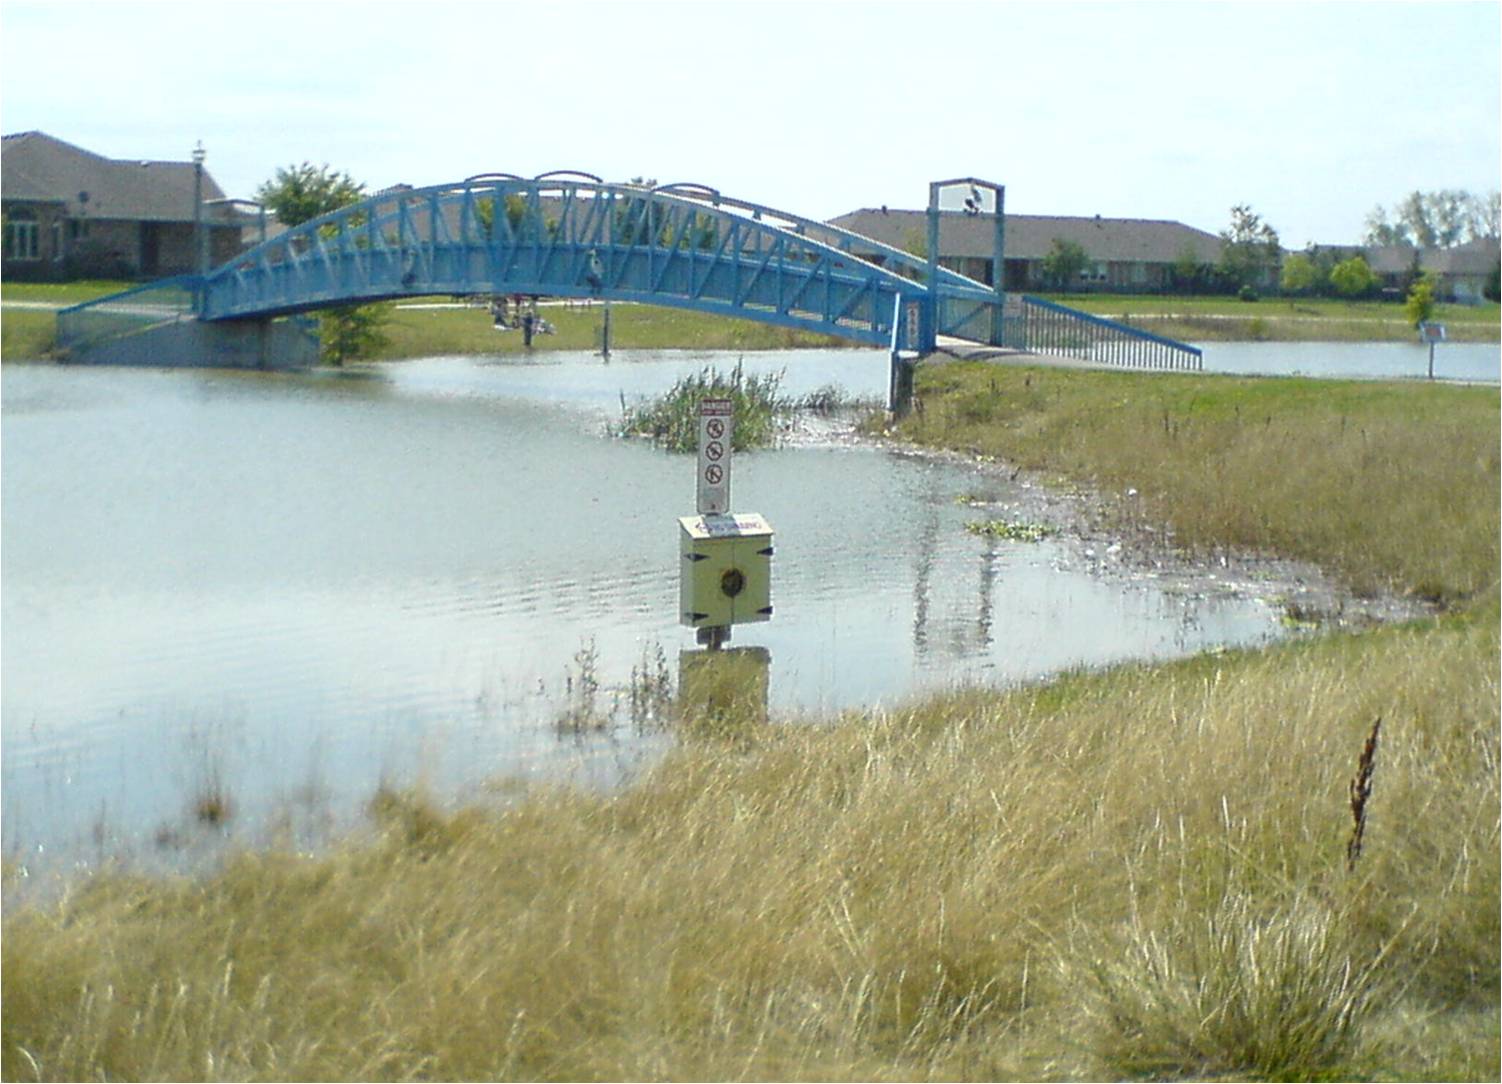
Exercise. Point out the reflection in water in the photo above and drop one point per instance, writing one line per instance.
(718, 688)
(989, 565)
(925, 552)
(290, 589)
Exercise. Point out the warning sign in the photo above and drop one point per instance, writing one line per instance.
(716, 427)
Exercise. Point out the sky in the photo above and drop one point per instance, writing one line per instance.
(1312, 113)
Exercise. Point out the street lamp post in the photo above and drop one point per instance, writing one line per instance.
(198, 247)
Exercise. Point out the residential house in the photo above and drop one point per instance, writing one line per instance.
(1130, 255)
(72, 213)
(1460, 273)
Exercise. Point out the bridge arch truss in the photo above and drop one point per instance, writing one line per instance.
(574, 236)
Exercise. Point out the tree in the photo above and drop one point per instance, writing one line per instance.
(1064, 263)
(1382, 232)
(1298, 274)
(1419, 305)
(1190, 273)
(1249, 248)
(915, 242)
(1485, 221)
(1440, 219)
(351, 331)
(300, 194)
(516, 210)
(1353, 277)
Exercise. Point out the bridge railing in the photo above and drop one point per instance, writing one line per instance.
(567, 238)
(977, 319)
(165, 302)
(1045, 327)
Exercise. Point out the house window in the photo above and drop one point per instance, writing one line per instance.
(21, 236)
(78, 228)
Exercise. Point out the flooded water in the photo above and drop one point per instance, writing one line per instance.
(1471, 362)
(289, 589)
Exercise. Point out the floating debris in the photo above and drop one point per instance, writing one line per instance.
(1012, 532)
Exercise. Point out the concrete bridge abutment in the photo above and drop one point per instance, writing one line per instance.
(270, 344)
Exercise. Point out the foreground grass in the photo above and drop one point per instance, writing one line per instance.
(1141, 873)
(1393, 486)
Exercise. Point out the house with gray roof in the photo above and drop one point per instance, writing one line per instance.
(1460, 272)
(1125, 254)
(72, 213)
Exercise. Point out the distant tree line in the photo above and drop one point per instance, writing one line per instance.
(1441, 219)
(1252, 259)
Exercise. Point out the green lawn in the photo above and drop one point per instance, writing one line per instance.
(1282, 319)
(62, 293)
(416, 332)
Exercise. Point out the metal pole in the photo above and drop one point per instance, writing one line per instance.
(198, 248)
(999, 267)
(929, 332)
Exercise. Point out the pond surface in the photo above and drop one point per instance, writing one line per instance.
(1471, 362)
(289, 589)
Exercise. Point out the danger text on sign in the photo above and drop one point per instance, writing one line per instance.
(716, 425)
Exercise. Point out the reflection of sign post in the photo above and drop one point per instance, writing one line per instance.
(716, 427)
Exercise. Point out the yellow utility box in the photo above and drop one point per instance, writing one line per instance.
(726, 575)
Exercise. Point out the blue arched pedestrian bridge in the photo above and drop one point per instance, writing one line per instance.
(572, 235)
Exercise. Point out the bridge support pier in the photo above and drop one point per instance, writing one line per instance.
(200, 344)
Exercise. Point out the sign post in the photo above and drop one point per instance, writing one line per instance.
(726, 571)
(716, 428)
(1431, 334)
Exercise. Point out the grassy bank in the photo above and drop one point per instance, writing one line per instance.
(1227, 319)
(1394, 486)
(28, 334)
(1150, 872)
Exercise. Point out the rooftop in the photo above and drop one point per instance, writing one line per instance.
(36, 166)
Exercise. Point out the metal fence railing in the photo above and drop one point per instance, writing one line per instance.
(1044, 327)
(126, 313)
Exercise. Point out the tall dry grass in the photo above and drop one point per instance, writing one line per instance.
(1393, 486)
(1141, 872)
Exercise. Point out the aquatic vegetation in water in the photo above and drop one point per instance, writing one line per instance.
(671, 420)
(1011, 532)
